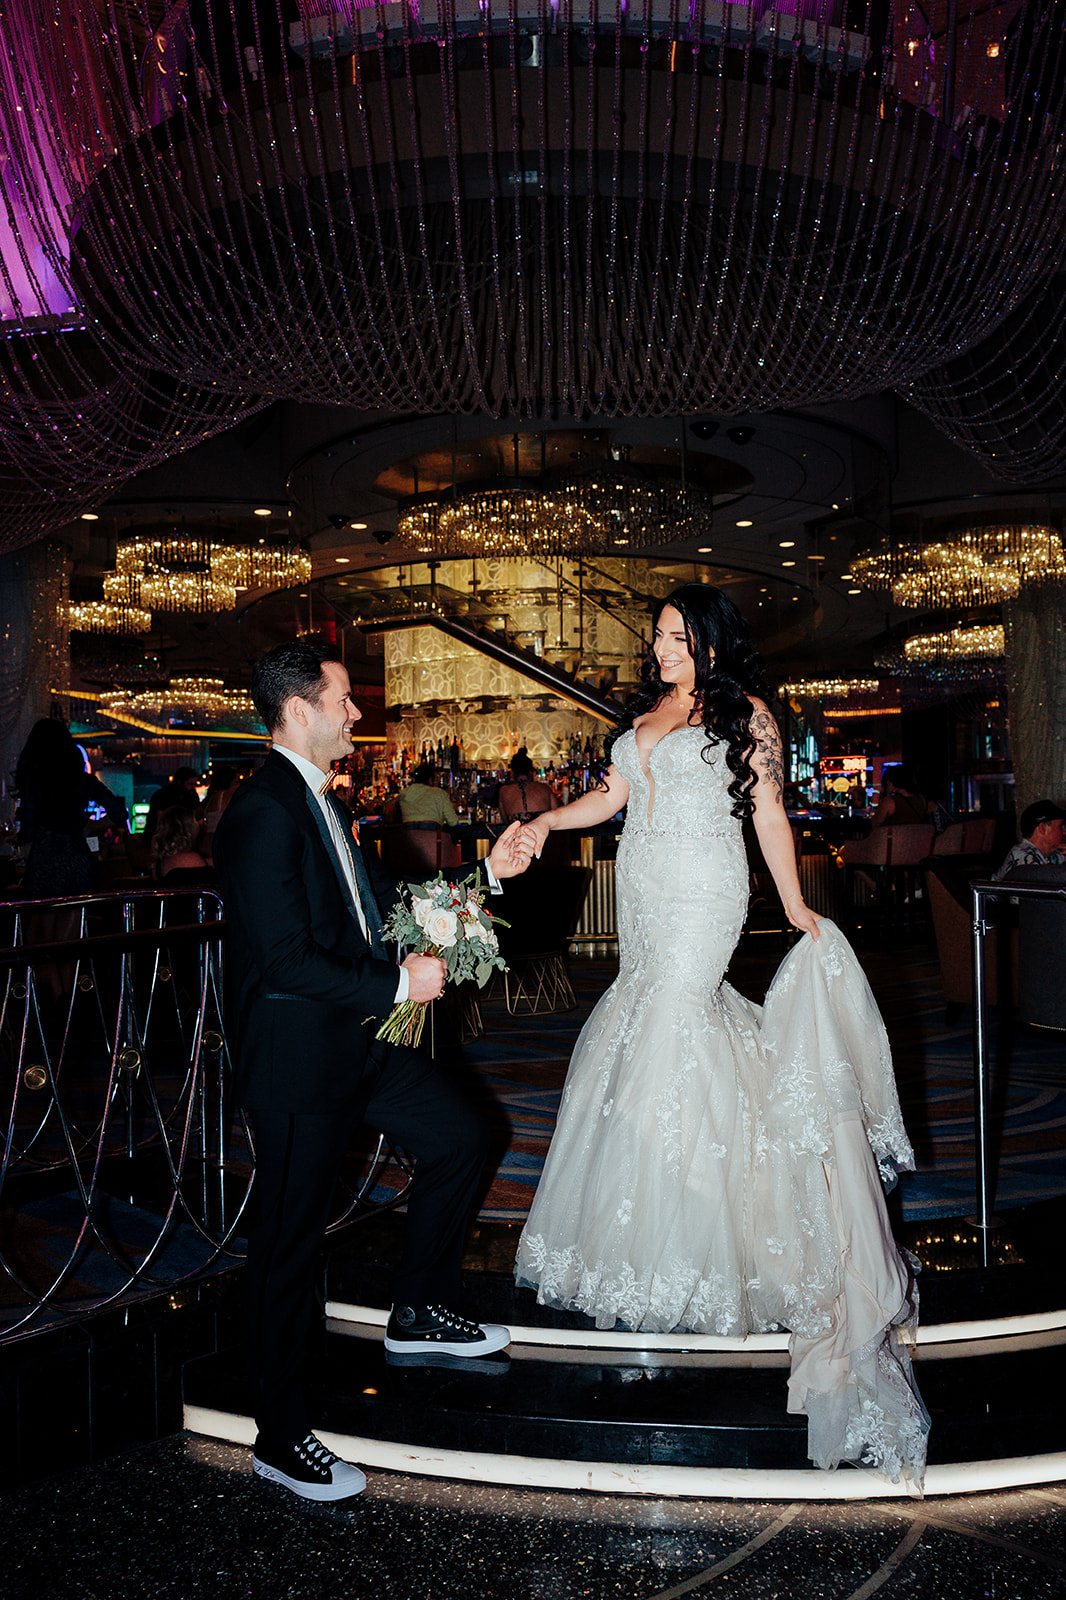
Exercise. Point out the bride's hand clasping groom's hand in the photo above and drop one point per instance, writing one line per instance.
(511, 853)
(535, 833)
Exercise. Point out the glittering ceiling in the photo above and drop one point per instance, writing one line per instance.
(542, 209)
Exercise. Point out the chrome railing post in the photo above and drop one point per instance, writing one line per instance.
(980, 1074)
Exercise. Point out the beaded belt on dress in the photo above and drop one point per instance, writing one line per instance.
(682, 833)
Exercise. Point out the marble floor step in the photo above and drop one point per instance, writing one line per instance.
(640, 1407)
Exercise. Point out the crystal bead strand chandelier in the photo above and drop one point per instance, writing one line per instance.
(612, 506)
(184, 571)
(978, 566)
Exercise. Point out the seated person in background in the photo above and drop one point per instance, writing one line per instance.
(525, 796)
(901, 800)
(423, 805)
(1043, 842)
(179, 790)
(174, 845)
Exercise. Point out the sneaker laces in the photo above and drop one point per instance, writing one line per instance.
(454, 1320)
(314, 1454)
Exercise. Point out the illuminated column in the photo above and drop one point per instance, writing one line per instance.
(1036, 661)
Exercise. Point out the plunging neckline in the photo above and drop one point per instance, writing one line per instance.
(645, 766)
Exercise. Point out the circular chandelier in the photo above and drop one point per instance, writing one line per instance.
(583, 253)
(599, 513)
(184, 571)
(184, 700)
(830, 688)
(96, 616)
(958, 644)
(979, 566)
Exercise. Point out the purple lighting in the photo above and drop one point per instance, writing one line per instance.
(34, 195)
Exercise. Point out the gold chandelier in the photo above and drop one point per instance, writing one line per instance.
(958, 644)
(830, 688)
(601, 512)
(96, 616)
(183, 571)
(197, 700)
(980, 566)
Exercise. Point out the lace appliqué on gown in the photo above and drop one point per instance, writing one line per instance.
(716, 1166)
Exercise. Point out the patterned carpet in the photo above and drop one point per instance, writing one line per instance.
(521, 1062)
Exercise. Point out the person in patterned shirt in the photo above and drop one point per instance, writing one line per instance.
(1043, 843)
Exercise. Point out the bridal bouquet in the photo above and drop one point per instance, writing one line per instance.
(446, 920)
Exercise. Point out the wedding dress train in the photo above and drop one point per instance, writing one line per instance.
(717, 1166)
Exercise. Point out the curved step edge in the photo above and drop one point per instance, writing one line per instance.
(1038, 1322)
(664, 1482)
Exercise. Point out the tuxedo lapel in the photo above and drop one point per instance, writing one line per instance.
(367, 898)
(319, 823)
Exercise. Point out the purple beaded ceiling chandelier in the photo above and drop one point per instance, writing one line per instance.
(537, 209)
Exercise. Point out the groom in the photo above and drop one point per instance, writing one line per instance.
(310, 983)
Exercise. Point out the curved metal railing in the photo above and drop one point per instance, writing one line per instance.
(125, 1168)
(985, 894)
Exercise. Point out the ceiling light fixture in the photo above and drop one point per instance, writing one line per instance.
(546, 515)
(95, 616)
(957, 644)
(185, 571)
(203, 701)
(979, 566)
(826, 688)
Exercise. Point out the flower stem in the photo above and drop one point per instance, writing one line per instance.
(404, 1023)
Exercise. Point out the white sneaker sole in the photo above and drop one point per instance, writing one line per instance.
(350, 1482)
(494, 1337)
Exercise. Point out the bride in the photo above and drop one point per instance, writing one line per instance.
(715, 1165)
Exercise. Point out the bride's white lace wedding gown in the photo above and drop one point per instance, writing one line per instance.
(715, 1164)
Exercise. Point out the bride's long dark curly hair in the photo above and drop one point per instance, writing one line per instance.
(728, 674)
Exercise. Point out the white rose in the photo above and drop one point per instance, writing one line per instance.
(489, 936)
(421, 910)
(440, 927)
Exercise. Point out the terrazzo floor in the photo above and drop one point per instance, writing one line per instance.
(185, 1518)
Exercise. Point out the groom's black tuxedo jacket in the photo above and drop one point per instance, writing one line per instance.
(303, 980)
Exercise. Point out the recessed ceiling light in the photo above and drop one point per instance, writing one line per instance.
(788, 544)
(855, 591)
(788, 563)
(358, 526)
(795, 597)
(342, 561)
(705, 549)
(835, 506)
(263, 511)
(90, 516)
(745, 522)
(815, 558)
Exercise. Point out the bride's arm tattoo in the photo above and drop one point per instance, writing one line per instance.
(768, 751)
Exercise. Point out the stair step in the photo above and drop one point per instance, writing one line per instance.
(646, 1409)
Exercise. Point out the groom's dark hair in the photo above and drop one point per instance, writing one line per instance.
(291, 668)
